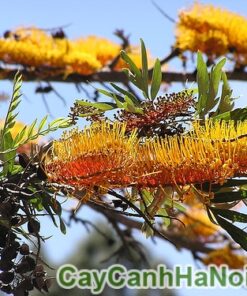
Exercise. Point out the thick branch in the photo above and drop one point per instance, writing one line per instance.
(106, 76)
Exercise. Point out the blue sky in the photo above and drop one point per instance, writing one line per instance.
(102, 18)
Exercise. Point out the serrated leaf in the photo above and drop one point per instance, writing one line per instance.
(156, 79)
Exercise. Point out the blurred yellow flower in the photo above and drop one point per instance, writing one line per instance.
(34, 47)
(212, 30)
(225, 256)
(197, 223)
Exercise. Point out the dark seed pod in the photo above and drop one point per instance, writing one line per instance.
(33, 226)
(24, 249)
(22, 267)
(7, 277)
(39, 283)
(31, 262)
(39, 270)
(47, 285)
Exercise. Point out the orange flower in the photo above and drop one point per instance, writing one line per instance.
(103, 154)
(98, 156)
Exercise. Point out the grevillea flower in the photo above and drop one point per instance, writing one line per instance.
(101, 155)
(209, 153)
(225, 256)
(212, 30)
(197, 224)
(36, 48)
(157, 112)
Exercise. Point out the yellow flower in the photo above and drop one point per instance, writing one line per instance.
(34, 47)
(98, 156)
(212, 30)
(103, 154)
(209, 153)
(225, 256)
(197, 223)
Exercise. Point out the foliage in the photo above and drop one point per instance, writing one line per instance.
(24, 195)
(183, 155)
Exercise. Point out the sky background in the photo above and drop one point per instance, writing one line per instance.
(95, 17)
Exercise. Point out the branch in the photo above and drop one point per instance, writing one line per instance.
(179, 240)
(106, 76)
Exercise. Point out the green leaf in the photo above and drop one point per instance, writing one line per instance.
(166, 219)
(104, 106)
(237, 234)
(126, 93)
(238, 114)
(31, 128)
(226, 102)
(203, 83)
(62, 226)
(215, 78)
(156, 79)
(46, 202)
(42, 123)
(6, 141)
(134, 69)
(173, 204)
(224, 197)
(144, 68)
(234, 216)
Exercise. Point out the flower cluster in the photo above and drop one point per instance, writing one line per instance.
(33, 47)
(213, 31)
(209, 153)
(99, 156)
(104, 155)
(155, 113)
